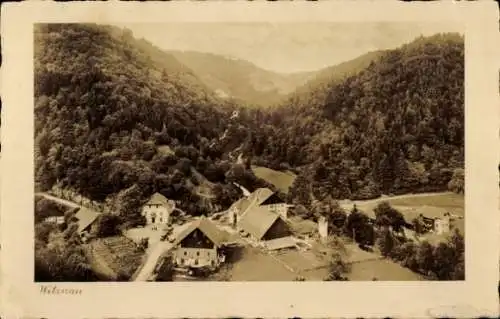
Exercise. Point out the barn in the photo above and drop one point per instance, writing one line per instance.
(199, 245)
(264, 224)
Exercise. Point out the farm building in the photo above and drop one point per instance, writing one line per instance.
(157, 209)
(260, 197)
(434, 219)
(86, 220)
(199, 245)
(261, 223)
(55, 219)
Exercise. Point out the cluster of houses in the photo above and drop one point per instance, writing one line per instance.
(259, 218)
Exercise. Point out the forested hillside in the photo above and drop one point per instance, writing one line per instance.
(117, 118)
(241, 80)
(395, 126)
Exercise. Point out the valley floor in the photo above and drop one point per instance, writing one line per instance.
(112, 256)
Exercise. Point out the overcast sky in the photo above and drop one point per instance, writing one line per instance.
(286, 47)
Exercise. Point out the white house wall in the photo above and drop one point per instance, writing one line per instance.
(189, 256)
(162, 214)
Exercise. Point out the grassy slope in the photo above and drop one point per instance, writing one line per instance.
(282, 180)
(446, 201)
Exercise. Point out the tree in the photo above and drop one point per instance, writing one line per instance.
(107, 225)
(406, 254)
(457, 182)
(165, 270)
(425, 258)
(337, 220)
(338, 266)
(43, 230)
(358, 226)
(387, 243)
(386, 215)
(58, 261)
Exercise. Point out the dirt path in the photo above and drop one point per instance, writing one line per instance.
(152, 260)
(59, 200)
(385, 197)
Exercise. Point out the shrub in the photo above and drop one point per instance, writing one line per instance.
(165, 270)
(143, 244)
(107, 225)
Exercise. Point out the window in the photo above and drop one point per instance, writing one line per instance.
(196, 261)
(197, 253)
(182, 261)
(185, 253)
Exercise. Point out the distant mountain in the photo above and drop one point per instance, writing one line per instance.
(387, 122)
(239, 79)
(320, 82)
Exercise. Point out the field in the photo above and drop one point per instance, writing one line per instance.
(257, 266)
(381, 269)
(449, 201)
(428, 204)
(282, 180)
(119, 253)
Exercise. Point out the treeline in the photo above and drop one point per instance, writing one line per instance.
(117, 117)
(396, 126)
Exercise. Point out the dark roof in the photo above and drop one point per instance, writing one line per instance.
(258, 220)
(208, 228)
(85, 218)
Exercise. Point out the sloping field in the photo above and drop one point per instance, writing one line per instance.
(427, 204)
(443, 200)
(257, 266)
(119, 253)
(282, 180)
(382, 269)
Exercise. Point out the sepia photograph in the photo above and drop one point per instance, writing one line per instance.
(249, 151)
(231, 159)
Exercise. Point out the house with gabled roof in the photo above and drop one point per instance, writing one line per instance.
(198, 245)
(261, 223)
(260, 197)
(86, 220)
(157, 210)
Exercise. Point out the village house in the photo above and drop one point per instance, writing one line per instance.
(262, 224)
(436, 221)
(199, 245)
(86, 220)
(260, 197)
(157, 210)
(442, 225)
